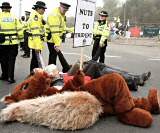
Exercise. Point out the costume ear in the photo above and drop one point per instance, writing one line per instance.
(80, 72)
(9, 99)
(78, 78)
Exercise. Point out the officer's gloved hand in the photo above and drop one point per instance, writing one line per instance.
(102, 42)
(57, 48)
(49, 36)
(43, 22)
(42, 37)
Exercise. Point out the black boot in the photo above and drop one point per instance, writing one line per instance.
(11, 81)
(139, 80)
(146, 75)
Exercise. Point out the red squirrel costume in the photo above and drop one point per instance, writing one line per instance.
(111, 90)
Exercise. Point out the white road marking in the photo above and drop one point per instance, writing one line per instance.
(88, 57)
(113, 56)
(154, 59)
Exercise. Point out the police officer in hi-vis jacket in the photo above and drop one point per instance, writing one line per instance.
(101, 33)
(56, 27)
(11, 33)
(36, 33)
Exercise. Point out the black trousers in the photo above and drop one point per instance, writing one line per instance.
(25, 43)
(52, 54)
(35, 63)
(98, 52)
(8, 58)
(53, 57)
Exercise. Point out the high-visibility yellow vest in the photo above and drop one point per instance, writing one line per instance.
(101, 29)
(36, 31)
(56, 24)
(11, 27)
(24, 27)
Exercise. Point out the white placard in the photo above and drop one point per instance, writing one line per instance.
(84, 21)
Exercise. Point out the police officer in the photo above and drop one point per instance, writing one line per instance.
(10, 32)
(36, 33)
(101, 34)
(25, 45)
(22, 20)
(56, 26)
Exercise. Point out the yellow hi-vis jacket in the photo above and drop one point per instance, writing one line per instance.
(24, 27)
(56, 24)
(101, 30)
(11, 27)
(36, 31)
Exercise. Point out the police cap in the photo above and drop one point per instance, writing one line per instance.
(103, 13)
(65, 5)
(39, 4)
(27, 12)
(6, 5)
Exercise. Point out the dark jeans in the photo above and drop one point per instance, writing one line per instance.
(8, 59)
(95, 70)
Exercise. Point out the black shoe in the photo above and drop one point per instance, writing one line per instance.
(11, 81)
(21, 49)
(23, 55)
(146, 76)
(26, 56)
(3, 78)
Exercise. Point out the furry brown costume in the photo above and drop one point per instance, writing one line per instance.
(111, 90)
(59, 111)
(32, 87)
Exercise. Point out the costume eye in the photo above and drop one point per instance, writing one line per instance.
(24, 87)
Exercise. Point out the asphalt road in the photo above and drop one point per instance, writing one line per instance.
(134, 55)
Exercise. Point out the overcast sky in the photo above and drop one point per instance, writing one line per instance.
(27, 5)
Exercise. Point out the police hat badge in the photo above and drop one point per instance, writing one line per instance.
(36, 18)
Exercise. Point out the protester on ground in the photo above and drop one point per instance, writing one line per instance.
(110, 89)
(96, 69)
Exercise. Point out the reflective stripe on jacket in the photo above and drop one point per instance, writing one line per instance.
(56, 24)
(36, 30)
(11, 27)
